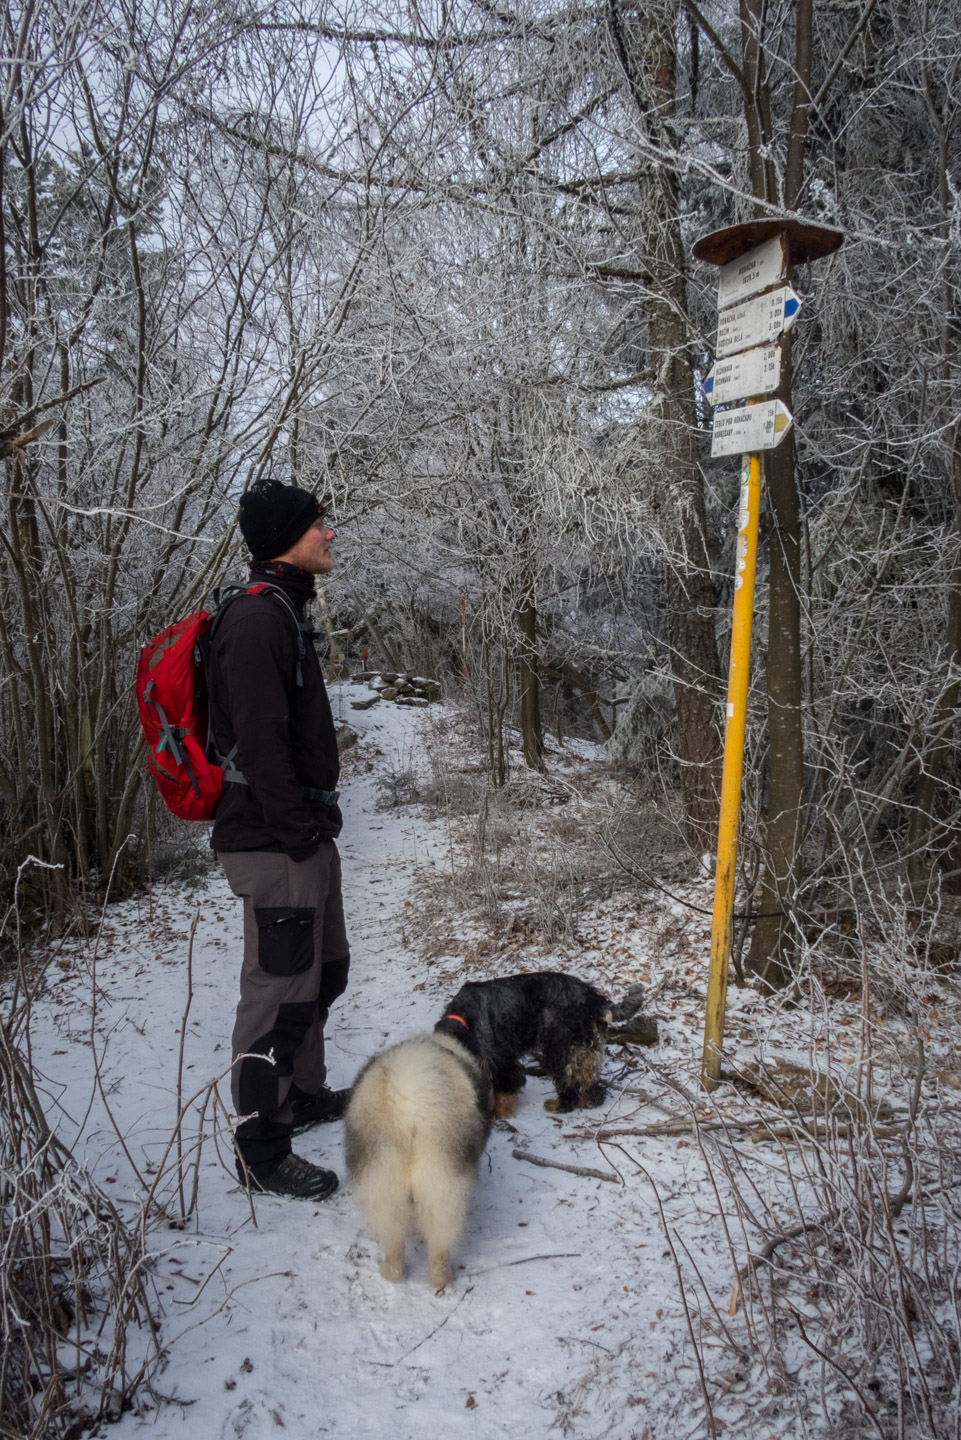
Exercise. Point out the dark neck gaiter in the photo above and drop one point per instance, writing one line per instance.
(296, 583)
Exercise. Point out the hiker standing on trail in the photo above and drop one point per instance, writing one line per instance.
(274, 834)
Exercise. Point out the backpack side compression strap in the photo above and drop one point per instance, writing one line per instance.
(172, 735)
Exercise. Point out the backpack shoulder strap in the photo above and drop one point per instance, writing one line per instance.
(232, 590)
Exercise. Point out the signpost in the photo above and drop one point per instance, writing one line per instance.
(753, 258)
(755, 427)
(756, 322)
(753, 372)
(763, 266)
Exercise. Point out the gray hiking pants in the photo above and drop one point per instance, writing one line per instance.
(295, 965)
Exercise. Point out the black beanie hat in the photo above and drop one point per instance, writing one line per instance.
(273, 517)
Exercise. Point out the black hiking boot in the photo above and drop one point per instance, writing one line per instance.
(310, 1110)
(294, 1178)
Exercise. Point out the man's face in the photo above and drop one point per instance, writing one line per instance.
(312, 551)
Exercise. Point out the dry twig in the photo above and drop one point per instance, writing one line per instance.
(571, 1169)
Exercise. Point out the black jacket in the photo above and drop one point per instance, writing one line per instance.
(284, 732)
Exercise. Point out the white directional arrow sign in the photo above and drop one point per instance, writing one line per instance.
(763, 266)
(752, 428)
(756, 322)
(753, 372)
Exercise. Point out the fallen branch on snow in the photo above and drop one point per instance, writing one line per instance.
(758, 1130)
(571, 1169)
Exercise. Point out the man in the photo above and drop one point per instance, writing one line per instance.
(274, 833)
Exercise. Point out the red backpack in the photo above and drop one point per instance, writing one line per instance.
(172, 699)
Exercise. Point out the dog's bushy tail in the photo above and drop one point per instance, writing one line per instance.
(633, 1002)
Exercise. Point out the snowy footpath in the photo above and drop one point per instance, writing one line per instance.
(565, 1316)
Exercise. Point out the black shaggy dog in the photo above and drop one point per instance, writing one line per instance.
(563, 1021)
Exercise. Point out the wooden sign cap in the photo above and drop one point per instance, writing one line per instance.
(805, 242)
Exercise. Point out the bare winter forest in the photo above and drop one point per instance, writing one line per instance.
(433, 262)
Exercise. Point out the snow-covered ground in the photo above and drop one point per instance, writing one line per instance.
(566, 1316)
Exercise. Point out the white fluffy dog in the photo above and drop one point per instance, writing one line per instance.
(416, 1126)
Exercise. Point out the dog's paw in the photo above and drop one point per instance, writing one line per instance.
(441, 1271)
(556, 1106)
(504, 1104)
(392, 1269)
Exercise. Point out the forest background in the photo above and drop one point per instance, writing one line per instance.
(434, 264)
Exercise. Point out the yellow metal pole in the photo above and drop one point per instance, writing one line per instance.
(738, 674)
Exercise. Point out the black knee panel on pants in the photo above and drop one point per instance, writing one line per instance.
(333, 981)
(258, 1083)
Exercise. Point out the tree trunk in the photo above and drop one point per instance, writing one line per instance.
(934, 755)
(773, 939)
(772, 942)
(528, 684)
(648, 54)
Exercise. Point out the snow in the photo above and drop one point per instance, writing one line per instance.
(566, 1316)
